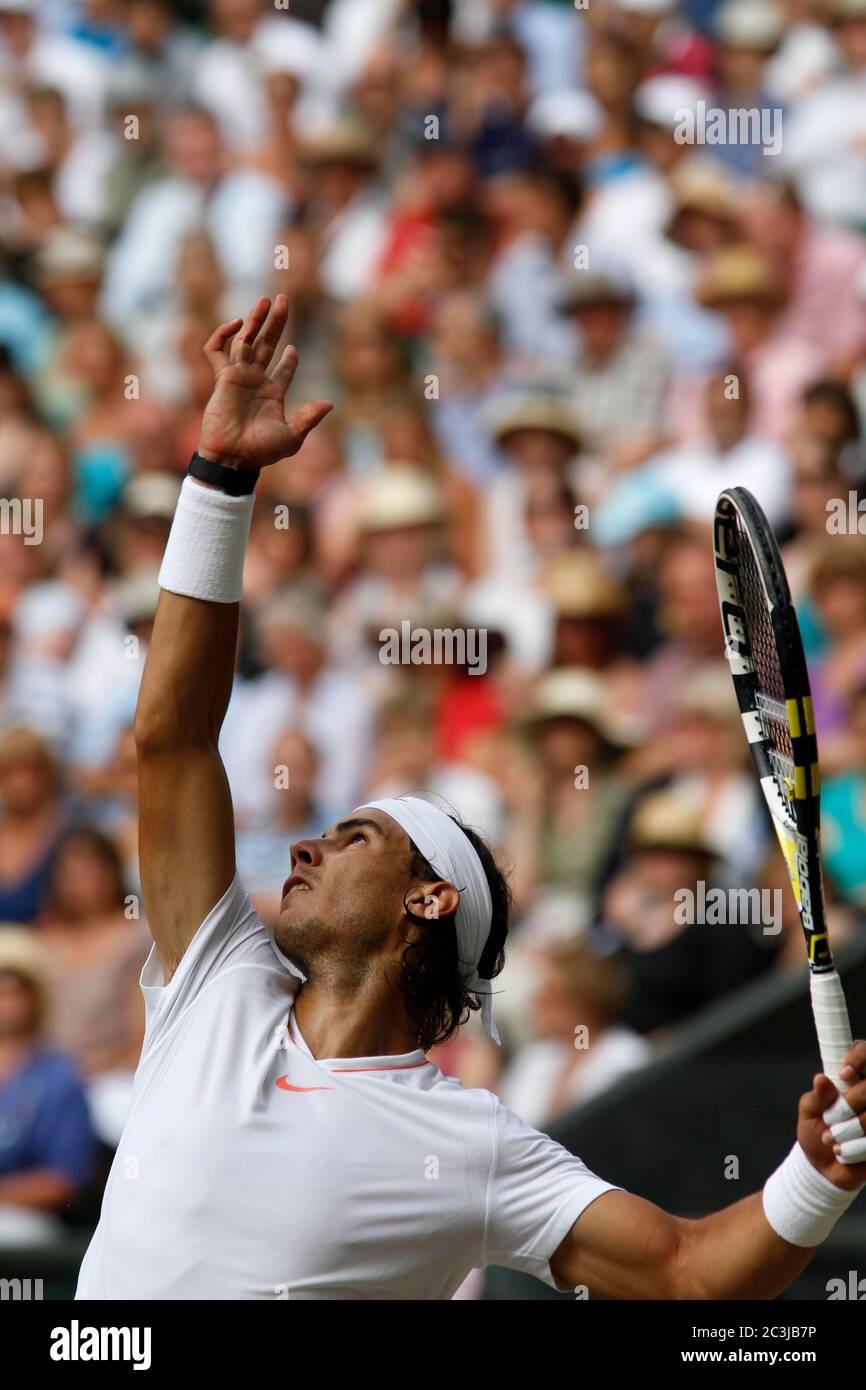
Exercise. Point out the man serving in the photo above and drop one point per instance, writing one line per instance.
(288, 1137)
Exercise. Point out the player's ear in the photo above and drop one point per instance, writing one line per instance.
(432, 900)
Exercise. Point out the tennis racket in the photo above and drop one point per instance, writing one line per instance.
(765, 651)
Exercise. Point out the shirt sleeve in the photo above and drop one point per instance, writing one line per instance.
(537, 1191)
(231, 938)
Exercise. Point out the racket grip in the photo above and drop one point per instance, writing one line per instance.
(831, 1022)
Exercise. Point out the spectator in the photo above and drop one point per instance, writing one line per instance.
(675, 966)
(838, 587)
(96, 945)
(730, 454)
(263, 854)
(747, 289)
(540, 435)
(821, 264)
(32, 822)
(621, 380)
(566, 822)
(581, 1046)
(843, 802)
(688, 616)
(200, 186)
(47, 1148)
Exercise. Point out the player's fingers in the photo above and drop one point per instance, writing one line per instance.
(272, 331)
(286, 367)
(838, 1111)
(855, 1097)
(213, 348)
(307, 418)
(821, 1096)
(852, 1151)
(242, 347)
(855, 1061)
(848, 1129)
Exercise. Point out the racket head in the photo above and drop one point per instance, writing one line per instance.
(764, 649)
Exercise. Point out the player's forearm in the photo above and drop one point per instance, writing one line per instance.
(735, 1253)
(188, 673)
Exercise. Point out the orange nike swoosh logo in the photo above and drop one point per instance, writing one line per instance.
(286, 1085)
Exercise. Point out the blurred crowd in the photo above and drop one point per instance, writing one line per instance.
(557, 312)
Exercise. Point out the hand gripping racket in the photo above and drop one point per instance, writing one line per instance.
(765, 651)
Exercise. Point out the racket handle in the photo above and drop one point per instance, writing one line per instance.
(831, 1022)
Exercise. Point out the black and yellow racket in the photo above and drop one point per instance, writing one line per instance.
(765, 651)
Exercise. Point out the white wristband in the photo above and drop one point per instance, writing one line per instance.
(204, 556)
(801, 1205)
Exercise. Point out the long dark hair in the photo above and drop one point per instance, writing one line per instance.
(436, 997)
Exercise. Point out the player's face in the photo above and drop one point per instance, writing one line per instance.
(344, 898)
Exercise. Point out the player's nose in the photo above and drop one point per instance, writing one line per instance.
(306, 852)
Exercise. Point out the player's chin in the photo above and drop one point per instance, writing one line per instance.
(293, 930)
(293, 908)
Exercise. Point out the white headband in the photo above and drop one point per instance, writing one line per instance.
(451, 853)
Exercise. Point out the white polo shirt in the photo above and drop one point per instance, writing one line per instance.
(250, 1170)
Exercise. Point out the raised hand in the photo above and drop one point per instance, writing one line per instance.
(244, 424)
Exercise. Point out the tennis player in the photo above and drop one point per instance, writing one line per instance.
(288, 1137)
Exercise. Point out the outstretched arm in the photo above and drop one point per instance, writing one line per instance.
(625, 1247)
(186, 832)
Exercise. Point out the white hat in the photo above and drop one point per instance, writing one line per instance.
(397, 496)
(287, 45)
(662, 100)
(152, 494)
(755, 24)
(68, 253)
(575, 115)
(647, 6)
(573, 692)
(48, 609)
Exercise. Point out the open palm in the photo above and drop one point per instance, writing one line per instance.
(244, 422)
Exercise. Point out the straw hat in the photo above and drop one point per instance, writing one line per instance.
(400, 496)
(138, 596)
(665, 821)
(341, 142)
(23, 955)
(699, 186)
(535, 410)
(840, 10)
(578, 587)
(738, 272)
(572, 692)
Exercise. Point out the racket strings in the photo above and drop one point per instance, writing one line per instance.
(770, 684)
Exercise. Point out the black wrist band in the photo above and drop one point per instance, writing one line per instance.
(237, 482)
